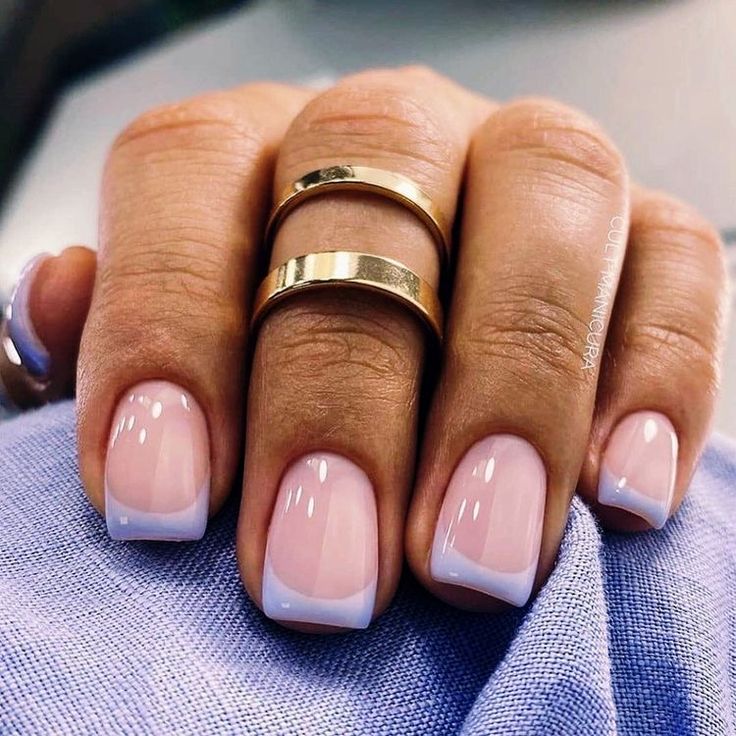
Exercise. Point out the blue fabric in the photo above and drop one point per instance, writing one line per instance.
(631, 635)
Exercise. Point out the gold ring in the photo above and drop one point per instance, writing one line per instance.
(345, 269)
(399, 188)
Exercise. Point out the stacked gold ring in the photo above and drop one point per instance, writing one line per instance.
(349, 268)
(396, 187)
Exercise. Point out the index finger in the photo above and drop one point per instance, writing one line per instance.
(160, 389)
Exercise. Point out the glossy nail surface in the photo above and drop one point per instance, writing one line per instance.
(639, 465)
(157, 474)
(21, 342)
(490, 526)
(321, 563)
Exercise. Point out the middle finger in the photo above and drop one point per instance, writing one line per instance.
(333, 397)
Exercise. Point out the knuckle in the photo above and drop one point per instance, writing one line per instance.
(216, 120)
(174, 289)
(670, 344)
(536, 338)
(664, 219)
(381, 118)
(348, 353)
(548, 130)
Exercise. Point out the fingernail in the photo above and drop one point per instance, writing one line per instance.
(21, 343)
(157, 474)
(490, 526)
(639, 466)
(321, 562)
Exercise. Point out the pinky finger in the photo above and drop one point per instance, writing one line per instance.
(661, 370)
(41, 329)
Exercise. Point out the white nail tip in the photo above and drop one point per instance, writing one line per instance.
(611, 492)
(125, 523)
(455, 568)
(282, 603)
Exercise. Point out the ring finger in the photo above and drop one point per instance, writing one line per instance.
(544, 232)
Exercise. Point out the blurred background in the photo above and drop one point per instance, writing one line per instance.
(659, 75)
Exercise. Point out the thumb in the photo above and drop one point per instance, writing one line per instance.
(42, 328)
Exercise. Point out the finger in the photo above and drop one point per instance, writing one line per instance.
(160, 383)
(660, 376)
(43, 325)
(333, 399)
(543, 234)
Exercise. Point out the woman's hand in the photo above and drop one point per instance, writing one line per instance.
(524, 403)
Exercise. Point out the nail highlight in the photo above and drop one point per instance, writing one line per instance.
(639, 466)
(21, 343)
(489, 529)
(157, 474)
(321, 563)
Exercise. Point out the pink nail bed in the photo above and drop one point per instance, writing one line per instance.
(157, 473)
(321, 563)
(490, 525)
(639, 465)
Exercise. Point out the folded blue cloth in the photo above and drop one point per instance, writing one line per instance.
(631, 634)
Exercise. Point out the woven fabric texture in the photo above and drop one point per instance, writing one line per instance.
(631, 634)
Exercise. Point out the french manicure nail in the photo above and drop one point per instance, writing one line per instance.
(639, 465)
(21, 343)
(490, 525)
(321, 563)
(157, 474)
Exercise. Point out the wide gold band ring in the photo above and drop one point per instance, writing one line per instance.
(350, 269)
(396, 187)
